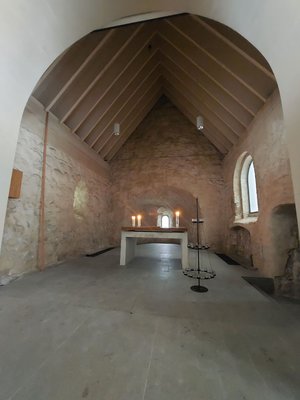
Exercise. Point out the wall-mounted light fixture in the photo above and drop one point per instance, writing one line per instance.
(200, 123)
(116, 129)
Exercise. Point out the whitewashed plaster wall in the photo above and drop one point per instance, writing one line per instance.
(77, 201)
(33, 33)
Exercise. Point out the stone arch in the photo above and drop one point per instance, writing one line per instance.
(68, 25)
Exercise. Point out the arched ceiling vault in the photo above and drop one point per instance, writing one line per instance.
(117, 75)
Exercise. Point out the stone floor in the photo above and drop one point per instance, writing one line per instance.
(90, 329)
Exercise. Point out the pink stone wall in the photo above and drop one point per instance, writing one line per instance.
(168, 163)
(266, 143)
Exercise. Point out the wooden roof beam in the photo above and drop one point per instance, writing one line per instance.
(172, 51)
(137, 116)
(134, 100)
(122, 102)
(201, 109)
(226, 79)
(213, 105)
(74, 76)
(188, 112)
(249, 58)
(185, 104)
(110, 77)
(219, 62)
(114, 55)
(115, 96)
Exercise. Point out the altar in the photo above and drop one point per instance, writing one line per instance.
(129, 236)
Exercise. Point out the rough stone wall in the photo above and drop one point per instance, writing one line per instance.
(168, 163)
(266, 143)
(77, 202)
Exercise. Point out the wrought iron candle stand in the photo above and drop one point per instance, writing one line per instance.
(201, 272)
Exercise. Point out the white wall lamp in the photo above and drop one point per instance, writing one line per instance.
(200, 123)
(116, 129)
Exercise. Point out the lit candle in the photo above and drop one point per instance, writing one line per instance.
(133, 220)
(177, 213)
(139, 220)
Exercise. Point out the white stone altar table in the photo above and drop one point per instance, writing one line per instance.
(129, 236)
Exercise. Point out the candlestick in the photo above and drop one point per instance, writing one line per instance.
(177, 213)
(139, 220)
(133, 220)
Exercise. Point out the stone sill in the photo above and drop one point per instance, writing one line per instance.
(248, 220)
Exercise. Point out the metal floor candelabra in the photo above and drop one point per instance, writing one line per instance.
(201, 272)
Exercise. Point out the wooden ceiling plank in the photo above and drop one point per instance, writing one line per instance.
(204, 96)
(238, 49)
(203, 110)
(78, 71)
(132, 127)
(62, 69)
(111, 76)
(91, 69)
(134, 99)
(119, 102)
(127, 81)
(241, 125)
(113, 58)
(217, 72)
(192, 118)
(190, 112)
(184, 26)
(177, 55)
(132, 122)
(189, 105)
(239, 41)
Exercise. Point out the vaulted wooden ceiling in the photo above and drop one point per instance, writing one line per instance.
(117, 75)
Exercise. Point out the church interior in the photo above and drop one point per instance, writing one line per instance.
(153, 156)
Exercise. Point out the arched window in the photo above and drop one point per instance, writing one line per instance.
(165, 221)
(164, 217)
(245, 189)
(252, 190)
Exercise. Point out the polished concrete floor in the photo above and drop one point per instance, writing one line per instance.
(90, 329)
